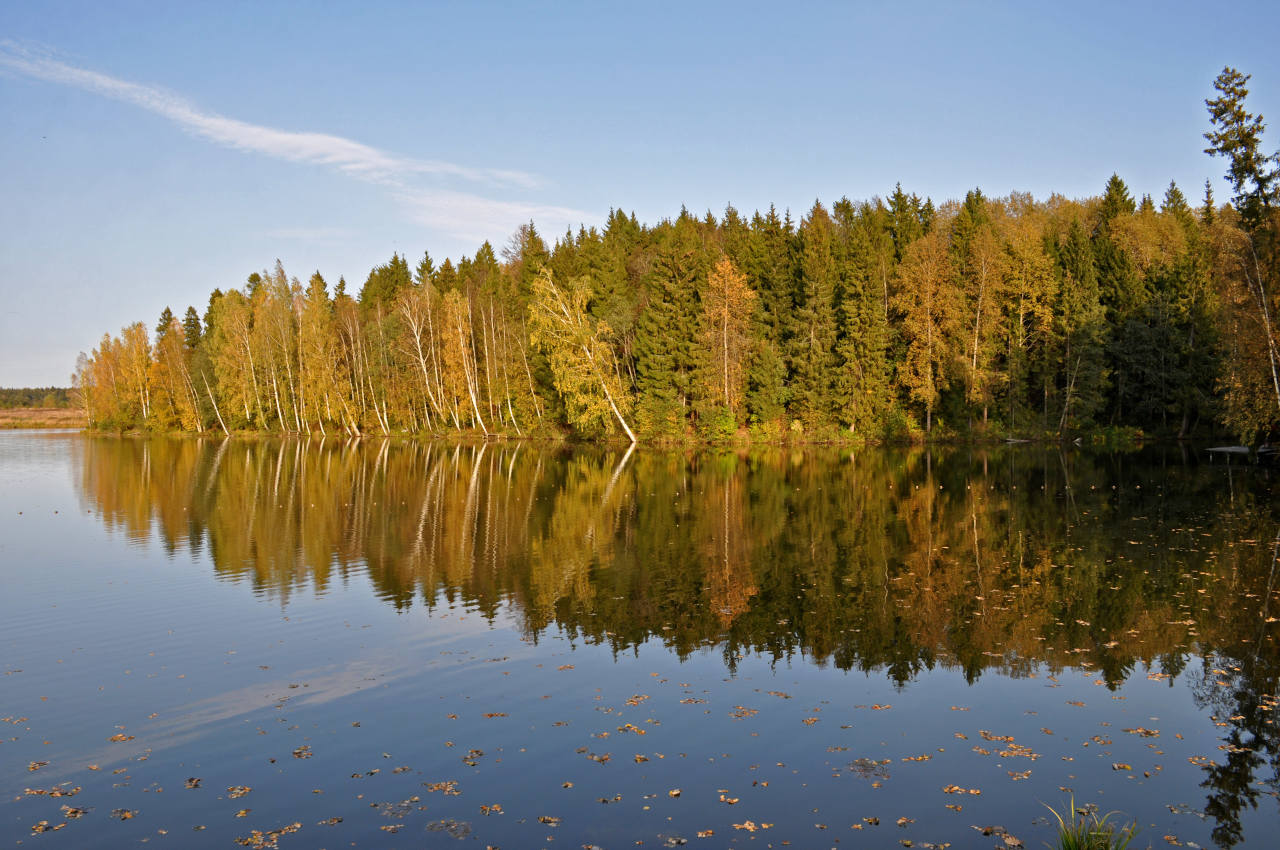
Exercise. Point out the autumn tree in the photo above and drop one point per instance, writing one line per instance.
(727, 307)
(929, 309)
(581, 357)
(1254, 177)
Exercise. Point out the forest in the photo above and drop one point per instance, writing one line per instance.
(34, 397)
(888, 319)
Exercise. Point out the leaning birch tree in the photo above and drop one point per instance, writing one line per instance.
(584, 366)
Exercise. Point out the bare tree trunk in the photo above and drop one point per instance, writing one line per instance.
(466, 353)
(533, 392)
(214, 402)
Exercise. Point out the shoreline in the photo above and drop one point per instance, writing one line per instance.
(1101, 439)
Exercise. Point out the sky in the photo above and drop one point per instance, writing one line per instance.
(150, 152)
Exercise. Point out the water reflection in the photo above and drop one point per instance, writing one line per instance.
(879, 559)
(897, 561)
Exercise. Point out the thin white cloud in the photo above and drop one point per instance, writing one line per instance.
(347, 155)
(476, 219)
(460, 214)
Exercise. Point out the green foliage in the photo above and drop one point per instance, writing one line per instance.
(813, 332)
(668, 347)
(1084, 829)
(385, 282)
(11, 397)
(994, 316)
(1237, 136)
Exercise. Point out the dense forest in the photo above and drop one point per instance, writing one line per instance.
(889, 318)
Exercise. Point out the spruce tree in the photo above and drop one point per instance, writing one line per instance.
(191, 328)
(1237, 136)
(667, 348)
(863, 392)
(813, 336)
(1080, 332)
(384, 283)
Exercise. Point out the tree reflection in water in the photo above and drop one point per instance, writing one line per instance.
(895, 560)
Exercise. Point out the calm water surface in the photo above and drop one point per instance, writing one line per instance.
(304, 644)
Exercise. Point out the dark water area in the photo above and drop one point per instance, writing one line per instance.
(311, 644)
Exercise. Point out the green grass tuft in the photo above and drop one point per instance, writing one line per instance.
(1085, 829)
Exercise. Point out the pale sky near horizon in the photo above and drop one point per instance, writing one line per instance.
(150, 152)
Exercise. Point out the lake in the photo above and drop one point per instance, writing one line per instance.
(301, 644)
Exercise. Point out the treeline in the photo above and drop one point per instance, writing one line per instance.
(11, 397)
(886, 318)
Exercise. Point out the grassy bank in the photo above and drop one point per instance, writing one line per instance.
(41, 417)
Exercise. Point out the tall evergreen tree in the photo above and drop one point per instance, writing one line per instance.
(1080, 332)
(813, 334)
(863, 392)
(1237, 136)
(668, 353)
(191, 329)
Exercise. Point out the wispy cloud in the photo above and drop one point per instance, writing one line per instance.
(476, 219)
(458, 213)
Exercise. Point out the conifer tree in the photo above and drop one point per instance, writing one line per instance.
(191, 329)
(1237, 136)
(813, 337)
(668, 349)
(905, 223)
(863, 392)
(1255, 178)
(1079, 332)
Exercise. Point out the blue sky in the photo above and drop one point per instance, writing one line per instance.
(150, 152)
